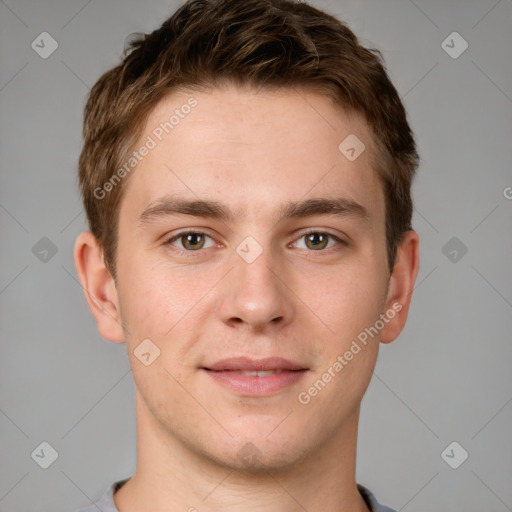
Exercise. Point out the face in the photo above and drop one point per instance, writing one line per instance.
(252, 255)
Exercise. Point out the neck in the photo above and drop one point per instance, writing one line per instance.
(173, 477)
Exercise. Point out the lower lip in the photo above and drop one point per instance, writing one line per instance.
(253, 385)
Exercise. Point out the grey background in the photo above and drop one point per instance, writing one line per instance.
(447, 378)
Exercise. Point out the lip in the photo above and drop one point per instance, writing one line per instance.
(228, 373)
(246, 364)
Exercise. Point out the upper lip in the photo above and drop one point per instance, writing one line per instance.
(248, 364)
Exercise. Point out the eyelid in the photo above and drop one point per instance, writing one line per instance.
(188, 231)
(322, 231)
(200, 231)
(339, 239)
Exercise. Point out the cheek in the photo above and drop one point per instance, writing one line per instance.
(155, 309)
(147, 294)
(350, 305)
(345, 300)
(167, 306)
(146, 307)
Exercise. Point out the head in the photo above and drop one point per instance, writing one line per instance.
(245, 106)
(278, 44)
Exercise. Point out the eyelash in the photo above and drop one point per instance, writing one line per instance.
(190, 253)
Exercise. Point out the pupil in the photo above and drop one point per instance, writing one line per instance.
(319, 237)
(190, 239)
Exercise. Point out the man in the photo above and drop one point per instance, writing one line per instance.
(246, 173)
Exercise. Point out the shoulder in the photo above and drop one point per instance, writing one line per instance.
(371, 500)
(106, 502)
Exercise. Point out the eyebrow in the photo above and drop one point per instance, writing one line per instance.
(172, 205)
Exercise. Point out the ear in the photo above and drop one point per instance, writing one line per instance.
(99, 287)
(401, 286)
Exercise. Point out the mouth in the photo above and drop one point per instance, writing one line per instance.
(246, 364)
(263, 373)
(256, 377)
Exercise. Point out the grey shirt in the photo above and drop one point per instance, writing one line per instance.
(106, 502)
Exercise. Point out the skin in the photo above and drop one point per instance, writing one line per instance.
(253, 151)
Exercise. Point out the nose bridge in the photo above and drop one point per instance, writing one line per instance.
(254, 293)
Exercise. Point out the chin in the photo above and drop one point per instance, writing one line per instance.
(258, 454)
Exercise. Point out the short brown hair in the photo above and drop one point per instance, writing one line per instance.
(260, 43)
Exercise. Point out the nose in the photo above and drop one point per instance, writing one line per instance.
(257, 295)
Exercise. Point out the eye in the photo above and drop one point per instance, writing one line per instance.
(318, 240)
(194, 241)
(191, 240)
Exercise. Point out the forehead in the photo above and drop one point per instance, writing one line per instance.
(254, 150)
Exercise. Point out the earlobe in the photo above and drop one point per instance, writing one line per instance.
(401, 286)
(99, 287)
